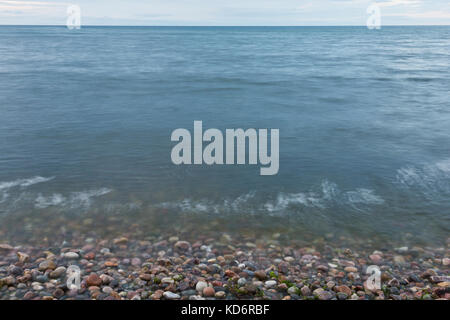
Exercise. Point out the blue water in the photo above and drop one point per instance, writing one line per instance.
(364, 117)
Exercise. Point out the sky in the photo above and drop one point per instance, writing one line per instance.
(225, 12)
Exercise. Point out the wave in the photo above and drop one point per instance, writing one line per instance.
(430, 180)
(238, 204)
(72, 201)
(328, 196)
(23, 182)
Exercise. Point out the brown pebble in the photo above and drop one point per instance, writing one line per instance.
(209, 292)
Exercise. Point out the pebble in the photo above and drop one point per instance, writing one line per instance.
(58, 272)
(163, 267)
(351, 269)
(292, 290)
(209, 292)
(46, 265)
(71, 255)
(220, 294)
(171, 296)
(182, 245)
(325, 295)
(241, 282)
(93, 280)
(305, 291)
(261, 275)
(200, 286)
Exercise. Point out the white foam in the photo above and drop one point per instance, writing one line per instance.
(329, 195)
(443, 165)
(74, 200)
(364, 196)
(23, 182)
(431, 180)
(53, 200)
(285, 200)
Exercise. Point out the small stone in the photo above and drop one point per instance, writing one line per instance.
(145, 276)
(157, 295)
(305, 291)
(5, 247)
(209, 292)
(170, 295)
(16, 271)
(167, 280)
(375, 258)
(400, 260)
(446, 261)
(71, 255)
(341, 296)
(351, 269)
(107, 290)
(241, 282)
(122, 240)
(293, 290)
(437, 279)
(58, 272)
(270, 283)
(182, 245)
(37, 287)
(111, 264)
(318, 291)
(261, 275)
(23, 257)
(93, 280)
(47, 265)
(9, 281)
(29, 295)
(325, 295)
(220, 294)
(200, 286)
(344, 289)
(289, 259)
(58, 293)
(136, 262)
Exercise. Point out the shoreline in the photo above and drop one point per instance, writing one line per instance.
(171, 267)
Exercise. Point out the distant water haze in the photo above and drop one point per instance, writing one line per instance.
(87, 115)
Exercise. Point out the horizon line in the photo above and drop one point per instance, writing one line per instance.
(223, 26)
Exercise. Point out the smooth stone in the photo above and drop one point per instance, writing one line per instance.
(200, 286)
(170, 295)
(71, 255)
(270, 283)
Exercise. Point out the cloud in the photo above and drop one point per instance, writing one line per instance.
(423, 15)
(392, 3)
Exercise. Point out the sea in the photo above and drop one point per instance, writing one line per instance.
(86, 118)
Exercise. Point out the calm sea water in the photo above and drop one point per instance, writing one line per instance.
(364, 118)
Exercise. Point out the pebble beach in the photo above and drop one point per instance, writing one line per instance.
(217, 265)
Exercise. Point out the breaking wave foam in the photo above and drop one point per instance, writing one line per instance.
(431, 180)
(74, 200)
(328, 196)
(23, 182)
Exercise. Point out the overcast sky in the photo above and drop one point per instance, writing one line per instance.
(226, 12)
